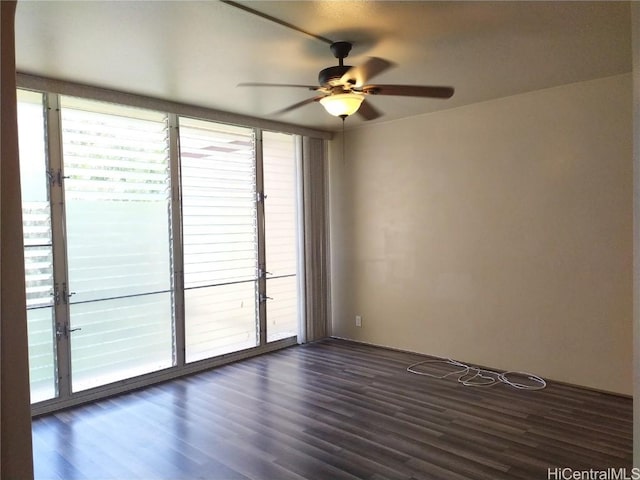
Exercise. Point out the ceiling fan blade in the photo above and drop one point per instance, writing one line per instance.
(361, 74)
(258, 84)
(409, 91)
(368, 112)
(298, 105)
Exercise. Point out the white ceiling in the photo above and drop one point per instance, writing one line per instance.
(197, 52)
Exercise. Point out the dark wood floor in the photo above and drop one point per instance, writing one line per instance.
(333, 410)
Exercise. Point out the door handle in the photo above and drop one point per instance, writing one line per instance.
(66, 295)
(64, 330)
(262, 273)
(264, 298)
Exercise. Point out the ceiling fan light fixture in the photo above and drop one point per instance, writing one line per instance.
(342, 104)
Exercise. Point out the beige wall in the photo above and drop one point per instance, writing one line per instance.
(498, 233)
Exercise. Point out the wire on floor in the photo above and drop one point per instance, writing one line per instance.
(470, 376)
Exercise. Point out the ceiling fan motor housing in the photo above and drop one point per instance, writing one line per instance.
(331, 75)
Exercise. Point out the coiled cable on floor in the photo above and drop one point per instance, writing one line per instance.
(478, 377)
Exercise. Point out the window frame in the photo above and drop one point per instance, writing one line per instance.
(51, 90)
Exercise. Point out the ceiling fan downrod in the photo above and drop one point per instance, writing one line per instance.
(331, 75)
(341, 51)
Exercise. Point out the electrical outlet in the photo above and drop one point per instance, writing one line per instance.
(358, 321)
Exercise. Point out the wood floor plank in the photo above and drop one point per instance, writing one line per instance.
(333, 410)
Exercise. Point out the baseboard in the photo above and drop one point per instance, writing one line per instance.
(485, 367)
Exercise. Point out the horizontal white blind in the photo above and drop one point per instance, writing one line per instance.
(120, 338)
(38, 261)
(218, 203)
(219, 233)
(117, 204)
(282, 308)
(38, 249)
(36, 211)
(117, 199)
(220, 319)
(279, 170)
(279, 173)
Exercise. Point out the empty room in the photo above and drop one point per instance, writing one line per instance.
(288, 240)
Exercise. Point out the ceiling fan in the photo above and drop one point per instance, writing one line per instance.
(343, 89)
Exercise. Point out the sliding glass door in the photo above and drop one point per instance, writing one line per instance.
(240, 237)
(281, 234)
(220, 238)
(152, 243)
(117, 205)
(38, 246)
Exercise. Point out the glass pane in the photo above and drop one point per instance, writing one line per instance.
(42, 362)
(120, 339)
(281, 242)
(117, 249)
(282, 308)
(279, 167)
(117, 200)
(221, 320)
(36, 226)
(38, 266)
(219, 237)
(31, 139)
(117, 204)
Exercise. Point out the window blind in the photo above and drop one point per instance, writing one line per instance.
(115, 163)
(279, 173)
(38, 253)
(219, 231)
